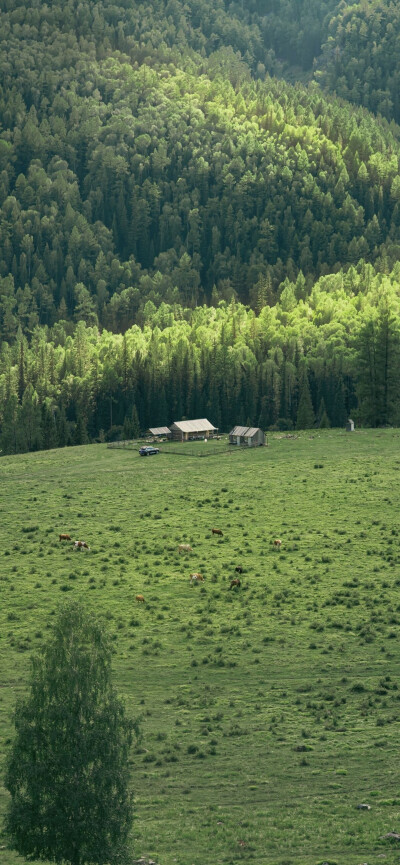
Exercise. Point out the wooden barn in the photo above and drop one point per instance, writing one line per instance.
(190, 430)
(160, 431)
(251, 436)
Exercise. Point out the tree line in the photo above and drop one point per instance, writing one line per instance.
(309, 361)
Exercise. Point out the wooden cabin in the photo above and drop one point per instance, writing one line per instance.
(190, 430)
(160, 432)
(250, 436)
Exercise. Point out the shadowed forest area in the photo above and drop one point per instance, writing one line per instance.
(193, 220)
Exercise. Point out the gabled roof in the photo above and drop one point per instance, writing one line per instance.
(188, 426)
(160, 431)
(245, 431)
(239, 431)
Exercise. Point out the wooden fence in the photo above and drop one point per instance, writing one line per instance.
(181, 449)
(187, 451)
(124, 444)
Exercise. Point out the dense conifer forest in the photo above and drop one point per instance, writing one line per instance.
(199, 216)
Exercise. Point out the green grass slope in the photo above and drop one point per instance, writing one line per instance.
(268, 713)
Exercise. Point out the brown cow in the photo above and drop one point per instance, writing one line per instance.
(140, 598)
(217, 532)
(65, 537)
(235, 583)
(277, 542)
(196, 578)
(185, 548)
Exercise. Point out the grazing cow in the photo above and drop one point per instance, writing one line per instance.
(196, 578)
(235, 583)
(65, 537)
(140, 599)
(217, 532)
(277, 543)
(239, 569)
(81, 545)
(185, 548)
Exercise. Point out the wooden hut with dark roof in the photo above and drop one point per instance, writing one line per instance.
(250, 436)
(158, 431)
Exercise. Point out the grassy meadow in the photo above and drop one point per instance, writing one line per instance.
(268, 713)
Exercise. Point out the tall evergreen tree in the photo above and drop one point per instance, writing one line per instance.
(21, 368)
(323, 421)
(339, 412)
(305, 412)
(81, 434)
(135, 422)
(48, 426)
(62, 428)
(9, 439)
(30, 431)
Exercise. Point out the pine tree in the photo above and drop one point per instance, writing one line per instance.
(62, 428)
(305, 411)
(135, 422)
(263, 419)
(48, 426)
(127, 428)
(10, 425)
(323, 421)
(30, 432)
(21, 367)
(81, 434)
(339, 412)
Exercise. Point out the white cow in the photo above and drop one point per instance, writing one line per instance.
(185, 548)
(81, 545)
(196, 578)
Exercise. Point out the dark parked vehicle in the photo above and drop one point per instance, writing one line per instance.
(148, 451)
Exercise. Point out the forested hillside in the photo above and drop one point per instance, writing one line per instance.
(361, 59)
(151, 166)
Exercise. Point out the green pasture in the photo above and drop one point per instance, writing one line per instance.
(268, 713)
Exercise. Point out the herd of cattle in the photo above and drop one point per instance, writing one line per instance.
(182, 548)
(198, 578)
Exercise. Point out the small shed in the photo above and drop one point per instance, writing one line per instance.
(350, 425)
(190, 430)
(158, 431)
(251, 436)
